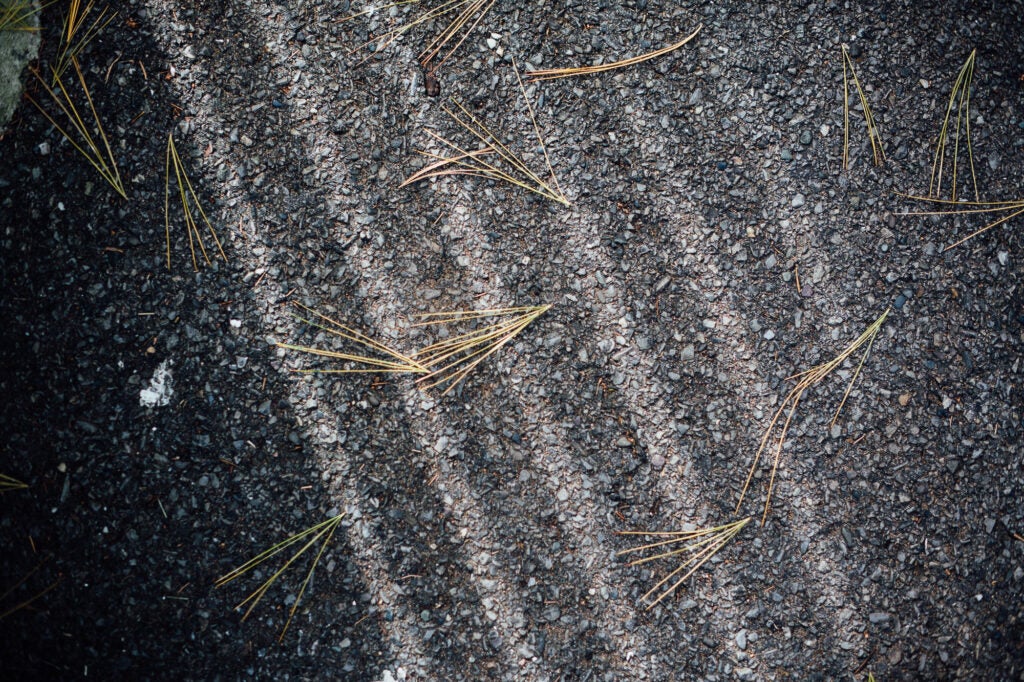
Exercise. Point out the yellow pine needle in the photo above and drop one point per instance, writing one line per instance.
(472, 162)
(100, 159)
(473, 11)
(451, 360)
(806, 380)
(1014, 208)
(552, 74)
(388, 37)
(15, 14)
(10, 483)
(398, 362)
(321, 532)
(961, 97)
(185, 190)
(28, 602)
(700, 546)
(467, 8)
(71, 43)
(877, 150)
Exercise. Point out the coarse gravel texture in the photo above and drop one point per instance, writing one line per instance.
(479, 539)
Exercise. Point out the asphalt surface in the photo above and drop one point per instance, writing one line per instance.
(714, 247)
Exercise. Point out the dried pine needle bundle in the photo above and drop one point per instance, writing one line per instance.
(493, 160)
(374, 356)
(445, 363)
(189, 207)
(692, 548)
(78, 33)
(467, 16)
(552, 74)
(10, 483)
(877, 150)
(85, 135)
(806, 380)
(451, 360)
(16, 15)
(1003, 211)
(320, 533)
(960, 98)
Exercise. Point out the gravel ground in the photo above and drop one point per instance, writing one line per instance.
(479, 538)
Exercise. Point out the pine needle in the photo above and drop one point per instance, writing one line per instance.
(960, 96)
(188, 206)
(877, 150)
(451, 360)
(506, 166)
(694, 547)
(469, 14)
(552, 74)
(1010, 209)
(444, 363)
(806, 380)
(395, 362)
(16, 15)
(8, 483)
(85, 137)
(26, 602)
(77, 34)
(320, 533)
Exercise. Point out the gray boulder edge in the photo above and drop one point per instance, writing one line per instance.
(17, 49)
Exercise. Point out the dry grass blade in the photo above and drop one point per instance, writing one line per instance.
(88, 137)
(507, 167)
(552, 74)
(394, 362)
(188, 207)
(16, 15)
(78, 33)
(696, 547)
(1009, 209)
(960, 97)
(451, 360)
(8, 483)
(805, 380)
(320, 533)
(877, 151)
